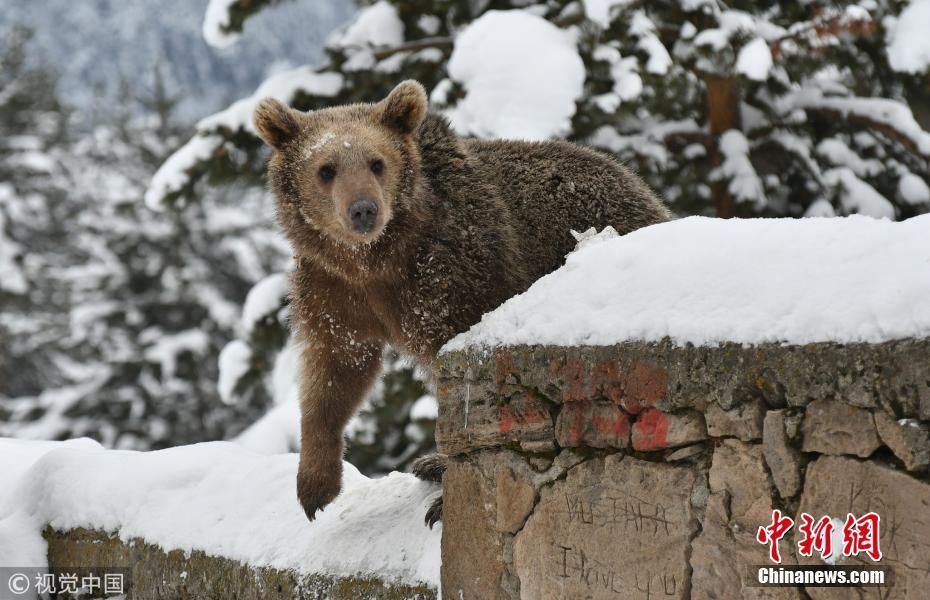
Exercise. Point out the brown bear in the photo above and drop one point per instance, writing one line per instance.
(405, 234)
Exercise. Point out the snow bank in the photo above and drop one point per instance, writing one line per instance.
(531, 92)
(705, 281)
(909, 46)
(216, 497)
(277, 432)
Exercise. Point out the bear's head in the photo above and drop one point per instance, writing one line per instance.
(343, 172)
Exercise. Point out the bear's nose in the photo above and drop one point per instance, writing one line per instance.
(363, 213)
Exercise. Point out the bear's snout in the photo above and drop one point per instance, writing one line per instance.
(362, 214)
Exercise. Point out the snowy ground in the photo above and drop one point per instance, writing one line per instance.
(705, 281)
(217, 497)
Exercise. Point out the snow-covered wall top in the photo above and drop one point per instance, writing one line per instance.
(705, 281)
(219, 498)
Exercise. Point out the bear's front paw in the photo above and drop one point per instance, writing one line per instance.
(317, 488)
(430, 467)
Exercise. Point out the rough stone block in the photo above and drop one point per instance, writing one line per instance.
(602, 532)
(472, 548)
(475, 417)
(656, 430)
(515, 499)
(783, 459)
(594, 423)
(832, 427)
(743, 421)
(910, 440)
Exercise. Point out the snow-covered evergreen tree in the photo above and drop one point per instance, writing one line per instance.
(33, 218)
(111, 315)
(728, 109)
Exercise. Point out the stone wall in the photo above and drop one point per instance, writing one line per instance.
(642, 471)
(155, 574)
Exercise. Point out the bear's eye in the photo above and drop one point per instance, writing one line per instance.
(377, 166)
(327, 172)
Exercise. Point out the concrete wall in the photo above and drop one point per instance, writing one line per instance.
(642, 471)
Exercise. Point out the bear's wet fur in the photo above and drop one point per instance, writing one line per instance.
(405, 234)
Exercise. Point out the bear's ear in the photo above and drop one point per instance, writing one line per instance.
(405, 107)
(275, 123)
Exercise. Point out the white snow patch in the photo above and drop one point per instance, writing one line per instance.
(215, 20)
(531, 92)
(167, 347)
(857, 196)
(882, 110)
(429, 24)
(277, 432)
(12, 278)
(737, 169)
(426, 407)
(284, 374)
(375, 25)
(839, 154)
(599, 10)
(216, 497)
(755, 60)
(820, 208)
(836, 541)
(172, 175)
(705, 281)
(628, 85)
(591, 236)
(643, 28)
(913, 189)
(282, 86)
(235, 360)
(909, 46)
(263, 299)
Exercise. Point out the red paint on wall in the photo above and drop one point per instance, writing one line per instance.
(618, 427)
(509, 419)
(650, 431)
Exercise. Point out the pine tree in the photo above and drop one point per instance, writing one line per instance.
(754, 109)
(33, 218)
(120, 310)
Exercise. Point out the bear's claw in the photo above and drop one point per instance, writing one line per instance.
(434, 512)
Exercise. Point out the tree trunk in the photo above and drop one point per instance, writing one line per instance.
(722, 114)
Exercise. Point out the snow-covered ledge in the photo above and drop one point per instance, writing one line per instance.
(213, 520)
(623, 428)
